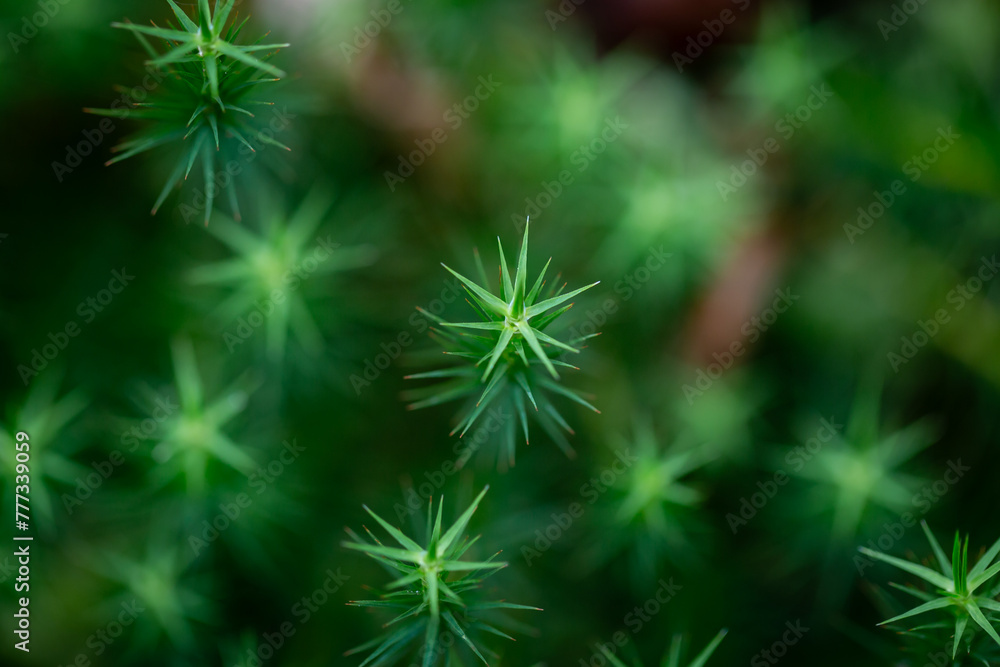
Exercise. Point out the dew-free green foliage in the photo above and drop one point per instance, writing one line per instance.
(673, 655)
(206, 85)
(507, 356)
(955, 585)
(195, 435)
(661, 208)
(272, 266)
(44, 416)
(654, 504)
(435, 585)
(168, 605)
(860, 469)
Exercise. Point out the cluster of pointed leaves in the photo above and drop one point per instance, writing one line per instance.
(45, 417)
(861, 469)
(432, 588)
(956, 585)
(509, 359)
(207, 83)
(161, 584)
(673, 656)
(655, 504)
(263, 263)
(195, 435)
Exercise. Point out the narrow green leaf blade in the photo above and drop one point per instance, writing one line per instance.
(985, 561)
(396, 533)
(939, 603)
(536, 347)
(188, 24)
(239, 54)
(498, 307)
(927, 574)
(521, 276)
(459, 526)
(977, 615)
(943, 561)
(540, 308)
(707, 653)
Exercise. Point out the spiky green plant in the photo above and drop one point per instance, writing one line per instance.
(45, 419)
(955, 584)
(654, 506)
(860, 469)
(508, 359)
(189, 439)
(169, 602)
(673, 655)
(272, 266)
(433, 585)
(208, 82)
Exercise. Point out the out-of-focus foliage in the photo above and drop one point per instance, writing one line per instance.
(784, 203)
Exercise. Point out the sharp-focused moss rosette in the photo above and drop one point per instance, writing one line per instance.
(202, 99)
(955, 584)
(435, 585)
(508, 359)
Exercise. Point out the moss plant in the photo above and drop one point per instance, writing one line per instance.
(435, 585)
(161, 586)
(189, 439)
(44, 417)
(673, 656)
(955, 584)
(861, 470)
(507, 358)
(272, 265)
(653, 514)
(202, 100)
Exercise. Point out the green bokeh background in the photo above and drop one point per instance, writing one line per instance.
(655, 188)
